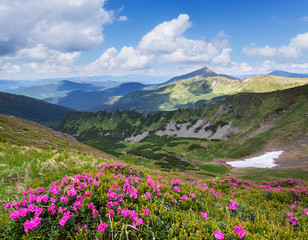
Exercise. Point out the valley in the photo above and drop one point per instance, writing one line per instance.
(118, 174)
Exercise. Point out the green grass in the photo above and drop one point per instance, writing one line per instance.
(214, 168)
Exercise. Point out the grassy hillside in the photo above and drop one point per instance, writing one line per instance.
(121, 202)
(31, 109)
(53, 187)
(202, 139)
(31, 153)
(194, 91)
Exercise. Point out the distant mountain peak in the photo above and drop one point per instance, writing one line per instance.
(202, 72)
(281, 73)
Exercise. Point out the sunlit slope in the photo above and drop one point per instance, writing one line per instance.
(195, 91)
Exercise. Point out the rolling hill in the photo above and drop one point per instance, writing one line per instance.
(31, 109)
(196, 88)
(240, 125)
(54, 187)
(78, 95)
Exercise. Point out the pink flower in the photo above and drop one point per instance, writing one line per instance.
(109, 205)
(218, 194)
(146, 212)
(293, 220)
(174, 200)
(148, 195)
(292, 206)
(8, 205)
(212, 191)
(111, 212)
(102, 227)
(177, 189)
(94, 212)
(138, 221)
(306, 211)
(174, 182)
(289, 214)
(233, 205)
(204, 214)
(218, 235)
(184, 197)
(33, 223)
(191, 195)
(239, 231)
(52, 208)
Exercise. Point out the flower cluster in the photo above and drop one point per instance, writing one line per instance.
(118, 200)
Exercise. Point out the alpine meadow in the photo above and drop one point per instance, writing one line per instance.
(153, 119)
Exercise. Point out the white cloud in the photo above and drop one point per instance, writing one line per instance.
(11, 68)
(127, 60)
(166, 37)
(167, 42)
(123, 19)
(67, 25)
(292, 51)
(57, 63)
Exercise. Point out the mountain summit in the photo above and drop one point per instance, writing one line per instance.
(204, 72)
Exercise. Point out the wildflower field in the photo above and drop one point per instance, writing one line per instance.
(120, 202)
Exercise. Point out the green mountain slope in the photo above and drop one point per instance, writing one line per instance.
(195, 89)
(78, 95)
(32, 154)
(240, 125)
(53, 187)
(31, 109)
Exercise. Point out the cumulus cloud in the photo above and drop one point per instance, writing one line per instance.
(67, 25)
(292, 51)
(127, 60)
(123, 19)
(10, 68)
(58, 62)
(168, 43)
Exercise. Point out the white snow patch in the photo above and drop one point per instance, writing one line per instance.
(264, 161)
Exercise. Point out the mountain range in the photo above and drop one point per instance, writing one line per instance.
(196, 88)
(288, 74)
(186, 91)
(238, 126)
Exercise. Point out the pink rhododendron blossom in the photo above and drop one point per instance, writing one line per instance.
(111, 212)
(293, 220)
(184, 198)
(177, 189)
(218, 235)
(102, 227)
(239, 231)
(52, 208)
(306, 211)
(204, 214)
(218, 194)
(94, 212)
(33, 223)
(233, 204)
(148, 195)
(146, 212)
(191, 195)
(289, 214)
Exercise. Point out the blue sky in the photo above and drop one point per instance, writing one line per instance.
(163, 38)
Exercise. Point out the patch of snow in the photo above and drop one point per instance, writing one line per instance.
(264, 161)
